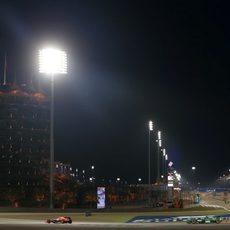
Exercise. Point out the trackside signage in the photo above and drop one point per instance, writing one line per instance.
(100, 197)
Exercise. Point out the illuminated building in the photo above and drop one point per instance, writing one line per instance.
(63, 168)
(24, 138)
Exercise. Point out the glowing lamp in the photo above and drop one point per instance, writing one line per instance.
(150, 126)
(159, 135)
(52, 61)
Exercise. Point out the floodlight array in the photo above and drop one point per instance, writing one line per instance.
(52, 61)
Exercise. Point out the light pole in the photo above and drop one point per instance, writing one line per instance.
(149, 160)
(193, 175)
(158, 155)
(77, 175)
(92, 172)
(163, 164)
(166, 169)
(51, 62)
(83, 176)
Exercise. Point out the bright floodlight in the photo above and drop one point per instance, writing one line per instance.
(193, 168)
(159, 135)
(160, 143)
(52, 61)
(150, 126)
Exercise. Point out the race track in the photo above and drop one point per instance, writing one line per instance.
(15, 224)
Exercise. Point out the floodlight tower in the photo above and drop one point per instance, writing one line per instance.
(158, 155)
(193, 175)
(149, 160)
(164, 164)
(52, 61)
(149, 151)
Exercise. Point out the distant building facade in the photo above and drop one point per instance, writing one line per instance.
(63, 168)
(24, 139)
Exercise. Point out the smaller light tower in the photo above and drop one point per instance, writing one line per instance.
(193, 176)
(164, 164)
(92, 173)
(159, 141)
(149, 152)
(149, 160)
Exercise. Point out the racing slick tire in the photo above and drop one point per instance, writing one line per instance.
(218, 221)
(193, 221)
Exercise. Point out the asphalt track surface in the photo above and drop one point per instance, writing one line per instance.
(13, 224)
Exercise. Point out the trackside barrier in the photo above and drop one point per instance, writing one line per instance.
(164, 219)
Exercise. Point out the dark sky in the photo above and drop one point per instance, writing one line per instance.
(129, 62)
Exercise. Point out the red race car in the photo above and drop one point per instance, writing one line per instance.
(60, 220)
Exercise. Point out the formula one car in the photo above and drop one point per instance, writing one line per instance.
(60, 220)
(205, 220)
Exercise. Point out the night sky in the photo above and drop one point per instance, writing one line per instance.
(130, 62)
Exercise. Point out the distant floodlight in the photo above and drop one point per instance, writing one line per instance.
(150, 126)
(52, 61)
(193, 168)
(160, 143)
(166, 157)
(159, 135)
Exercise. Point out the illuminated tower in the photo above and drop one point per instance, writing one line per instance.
(24, 139)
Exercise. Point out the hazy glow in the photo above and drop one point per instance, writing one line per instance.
(178, 176)
(52, 61)
(150, 125)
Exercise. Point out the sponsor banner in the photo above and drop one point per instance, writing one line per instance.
(100, 197)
